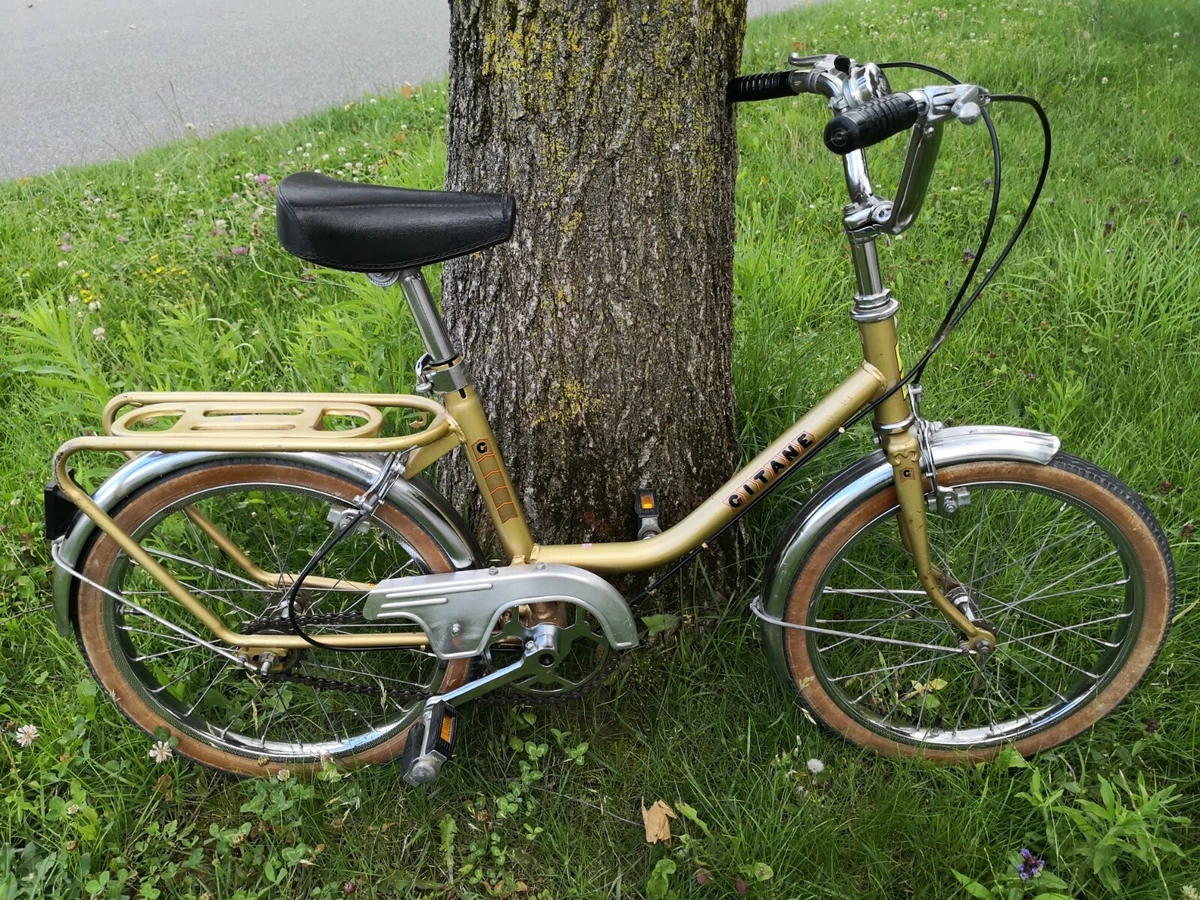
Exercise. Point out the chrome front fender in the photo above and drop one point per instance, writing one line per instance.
(415, 497)
(863, 479)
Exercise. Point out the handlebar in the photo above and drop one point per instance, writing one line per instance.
(866, 112)
(763, 86)
(874, 121)
(774, 85)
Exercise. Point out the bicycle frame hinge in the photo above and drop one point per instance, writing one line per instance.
(443, 378)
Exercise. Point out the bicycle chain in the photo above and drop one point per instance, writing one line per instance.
(501, 697)
(284, 624)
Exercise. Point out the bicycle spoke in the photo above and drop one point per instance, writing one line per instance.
(1048, 655)
(1016, 662)
(895, 667)
(1016, 562)
(979, 533)
(273, 543)
(162, 687)
(1074, 629)
(220, 673)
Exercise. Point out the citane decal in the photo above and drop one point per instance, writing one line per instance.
(493, 478)
(777, 465)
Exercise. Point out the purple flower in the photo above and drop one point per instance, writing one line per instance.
(1030, 865)
(240, 251)
(66, 248)
(264, 179)
(121, 239)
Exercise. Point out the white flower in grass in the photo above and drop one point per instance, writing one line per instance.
(815, 766)
(72, 809)
(98, 333)
(283, 774)
(161, 752)
(26, 735)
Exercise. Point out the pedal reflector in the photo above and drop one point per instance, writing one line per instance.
(645, 507)
(430, 743)
(444, 724)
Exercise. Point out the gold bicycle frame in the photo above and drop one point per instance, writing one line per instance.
(249, 423)
(291, 422)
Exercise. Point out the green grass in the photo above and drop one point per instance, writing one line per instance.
(1091, 332)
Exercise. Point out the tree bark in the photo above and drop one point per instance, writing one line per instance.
(600, 337)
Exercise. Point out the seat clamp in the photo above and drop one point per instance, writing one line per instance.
(443, 380)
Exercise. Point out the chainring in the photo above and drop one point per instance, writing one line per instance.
(586, 661)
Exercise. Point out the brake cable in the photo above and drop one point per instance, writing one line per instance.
(949, 322)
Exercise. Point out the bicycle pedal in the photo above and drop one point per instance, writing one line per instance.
(430, 744)
(645, 508)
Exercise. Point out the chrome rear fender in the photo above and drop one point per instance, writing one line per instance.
(414, 497)
(864, 479)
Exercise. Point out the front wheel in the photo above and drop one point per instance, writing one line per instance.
(1062, 562)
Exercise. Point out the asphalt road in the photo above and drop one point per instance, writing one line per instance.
(88, 80)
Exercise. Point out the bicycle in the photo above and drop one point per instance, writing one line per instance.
(268, 582)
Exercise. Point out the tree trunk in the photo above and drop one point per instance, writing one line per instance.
(600, 337)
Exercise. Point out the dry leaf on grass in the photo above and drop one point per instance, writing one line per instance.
(658, 822)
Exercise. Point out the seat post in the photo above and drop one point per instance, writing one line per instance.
(424, 310)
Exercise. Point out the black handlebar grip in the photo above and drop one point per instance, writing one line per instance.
(870, 123)
(765, 86)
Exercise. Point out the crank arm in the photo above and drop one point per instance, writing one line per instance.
(541, 652)
(904, 453)
(431, 742)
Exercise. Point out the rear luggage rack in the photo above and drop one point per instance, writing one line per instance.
(218, 421)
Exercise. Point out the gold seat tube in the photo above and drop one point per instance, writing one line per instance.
(491, 474)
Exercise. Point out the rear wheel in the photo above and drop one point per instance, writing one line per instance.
(1062, 562)
(347, 707)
